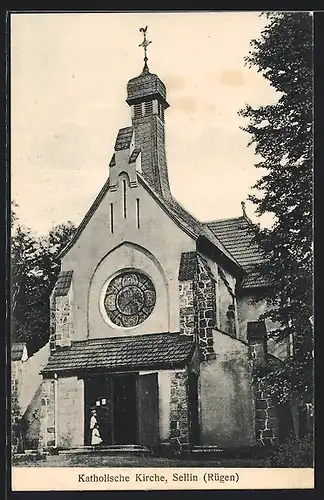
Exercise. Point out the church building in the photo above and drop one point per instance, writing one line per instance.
(152, 323)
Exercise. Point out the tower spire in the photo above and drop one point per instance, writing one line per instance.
(145, 44)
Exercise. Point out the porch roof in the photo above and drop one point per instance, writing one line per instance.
(150, 351)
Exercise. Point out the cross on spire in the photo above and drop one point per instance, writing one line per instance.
(145, 44)
(243, 208)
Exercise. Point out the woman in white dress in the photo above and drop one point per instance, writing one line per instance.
(94, 429)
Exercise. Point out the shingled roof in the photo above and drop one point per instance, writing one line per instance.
(151, 351)
(63, 283)
(188, 266)
(187, 220)
(124, 138)
(236, 236)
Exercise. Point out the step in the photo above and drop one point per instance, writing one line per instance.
(111, 450)
(206, 449)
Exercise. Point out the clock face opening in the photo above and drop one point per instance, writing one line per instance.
(129, 299)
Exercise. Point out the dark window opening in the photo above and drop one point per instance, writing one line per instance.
(124, 199)
(111, 218)
(137, 213)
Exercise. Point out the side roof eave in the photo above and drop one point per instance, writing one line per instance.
(85, 220)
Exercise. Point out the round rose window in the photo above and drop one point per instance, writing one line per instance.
(130, 298)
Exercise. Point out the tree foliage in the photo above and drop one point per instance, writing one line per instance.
(282, 134)
(34, 270)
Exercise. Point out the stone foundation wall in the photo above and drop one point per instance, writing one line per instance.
(179, 423)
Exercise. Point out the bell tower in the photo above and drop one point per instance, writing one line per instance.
(146, 96)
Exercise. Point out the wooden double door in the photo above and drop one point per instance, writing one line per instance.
(126, 406)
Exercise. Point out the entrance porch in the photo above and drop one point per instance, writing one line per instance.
(143, 389)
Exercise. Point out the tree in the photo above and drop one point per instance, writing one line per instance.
(282, 136)
(34, 270)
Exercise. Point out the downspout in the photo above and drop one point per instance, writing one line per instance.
(55, 410)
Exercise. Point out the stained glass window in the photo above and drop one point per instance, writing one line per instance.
(130, 298)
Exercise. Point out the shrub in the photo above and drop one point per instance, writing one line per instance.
(295, 452)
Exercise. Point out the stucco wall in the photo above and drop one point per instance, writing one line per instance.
(70, 411)
(164, 381)
(161, 259)
(225, 300)
(128, 256)
(32, 422)
(32, 378)
(226, 395)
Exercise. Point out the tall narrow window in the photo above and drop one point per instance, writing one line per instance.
(124, 198)
(111, 218)
(137, 212)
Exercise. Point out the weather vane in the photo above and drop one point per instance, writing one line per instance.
(243, 208)
(145, 44)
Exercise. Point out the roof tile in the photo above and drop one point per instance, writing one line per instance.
(124, 138)
(63, 283)
(236, 236)
(140, 352)
(188, 265)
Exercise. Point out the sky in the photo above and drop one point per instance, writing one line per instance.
(69, 74)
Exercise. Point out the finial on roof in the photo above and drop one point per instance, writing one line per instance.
(243, 208)
(145, 44)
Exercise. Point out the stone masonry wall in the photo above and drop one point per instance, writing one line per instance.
(266, 420)
(197, 292)
(187, 308)
(47, 415)
(61, 326)
(16, 373)
(206, 309)
(179, 423)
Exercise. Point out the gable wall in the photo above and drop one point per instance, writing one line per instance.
(154, 248)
